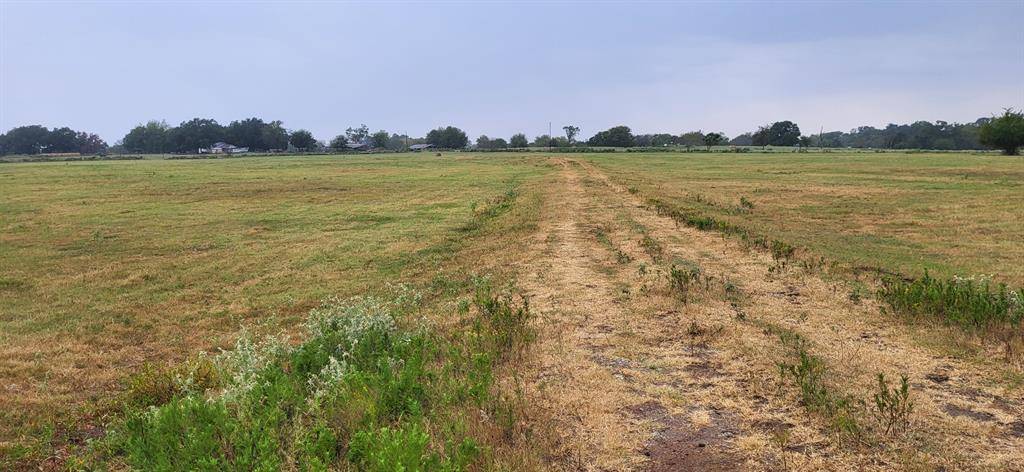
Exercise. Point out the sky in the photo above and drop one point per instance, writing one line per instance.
(498, 68)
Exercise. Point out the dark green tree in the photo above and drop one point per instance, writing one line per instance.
(303, 140)
(762, 137)
(713, 139)
(26, 140)
(274, 136)
(618, 136)
(61, 140)
(150, 138)
(1005, 132)
(197, 133)
(783, 133)
(692, 138)
(246, 133)
(745, 139)
(89, 143)
(448, 137)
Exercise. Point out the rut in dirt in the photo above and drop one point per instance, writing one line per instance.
(635, 379)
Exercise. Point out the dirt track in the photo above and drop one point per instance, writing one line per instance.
(636, 378)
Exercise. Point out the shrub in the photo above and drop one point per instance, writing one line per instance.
(893, 406)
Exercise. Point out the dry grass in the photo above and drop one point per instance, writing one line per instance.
(110, 265)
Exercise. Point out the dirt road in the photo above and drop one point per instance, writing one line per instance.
(638, 375)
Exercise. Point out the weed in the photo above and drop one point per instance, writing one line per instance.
(681, 280)
(652, 247)
(841, 410)
(962, 301)
(855, 295)
(601, 233)
(360, 388)
(893, 406)
(781, 251)
(746, 203)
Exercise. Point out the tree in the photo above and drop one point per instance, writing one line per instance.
(398, 142)
(274, 136)
(662, 139)
(805, 142)
(518, 140)
(483, 142)
(618, 136)
(542, 141)
(380, 139)
(303, 140)
(26, 140)
(713, 139)
(339, 143)
(194, 134)
(761, 137)
(357, 135)
(246, 133)
(783, 133)
(89, 143)
(499, 143)
(149, 138)
(61, 140)
(692, 138)
(448, 137)
(1005, 132)
(571, 132)
(745, 139)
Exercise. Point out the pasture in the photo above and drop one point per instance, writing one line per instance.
(110, 270)
(949, 213)
(107, 266)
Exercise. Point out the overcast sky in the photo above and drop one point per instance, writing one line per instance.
(501, 68)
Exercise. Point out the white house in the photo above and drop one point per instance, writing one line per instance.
(223, 148)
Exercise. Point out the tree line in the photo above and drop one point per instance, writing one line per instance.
(1005, 132)
(36, 139)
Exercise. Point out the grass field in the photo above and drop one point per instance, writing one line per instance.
(949, 213)
(107, 267)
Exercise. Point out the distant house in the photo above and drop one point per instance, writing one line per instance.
(420, 147)
(223, 148)
(357, 146)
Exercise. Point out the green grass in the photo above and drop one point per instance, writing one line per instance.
(948, 213)
(964, 302)
(108, 266)
(368, 387)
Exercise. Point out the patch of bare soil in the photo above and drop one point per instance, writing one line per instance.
(681, 446)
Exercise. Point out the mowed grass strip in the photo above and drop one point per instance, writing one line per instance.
(105, 266)
(948, 213)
